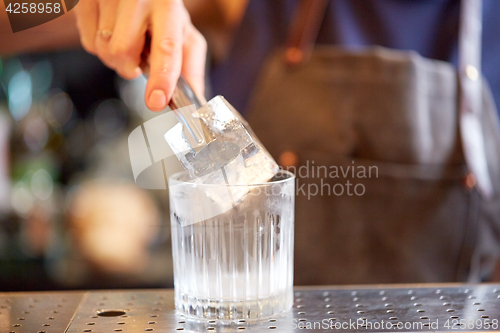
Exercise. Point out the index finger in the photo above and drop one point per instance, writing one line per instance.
(166, 52)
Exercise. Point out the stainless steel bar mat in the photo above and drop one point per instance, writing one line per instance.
(408, 308)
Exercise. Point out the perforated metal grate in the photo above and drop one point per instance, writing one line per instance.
(419, 308)
(37, 312)
(471, 308)
(144, 311)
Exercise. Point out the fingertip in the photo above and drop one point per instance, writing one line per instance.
(88, 46)
(131, 74)
(157, 100)
(136, 72)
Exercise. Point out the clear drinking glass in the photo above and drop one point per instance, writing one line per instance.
(232, 259)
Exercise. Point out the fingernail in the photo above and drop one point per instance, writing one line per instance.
(157, 99)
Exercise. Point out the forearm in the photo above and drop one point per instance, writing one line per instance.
(60, 33)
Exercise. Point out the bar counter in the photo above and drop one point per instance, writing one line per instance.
(377, 308)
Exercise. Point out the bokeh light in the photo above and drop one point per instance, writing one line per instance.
(20, 94)
(59, 109)
(36, 134)
(21, 199)
(110, 117)
(42, 184)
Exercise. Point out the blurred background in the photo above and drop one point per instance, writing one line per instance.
(71, 216)
(66, 183)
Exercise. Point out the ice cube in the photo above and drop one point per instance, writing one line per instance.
(227, 125)
(225, 129)
(229, 155)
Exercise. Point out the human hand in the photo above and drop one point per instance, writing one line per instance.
(115, 31)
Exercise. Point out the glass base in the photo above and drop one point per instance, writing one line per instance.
(249, 309)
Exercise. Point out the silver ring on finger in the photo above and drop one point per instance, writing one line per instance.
(104, 33)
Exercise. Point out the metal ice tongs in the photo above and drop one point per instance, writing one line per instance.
(185, 96)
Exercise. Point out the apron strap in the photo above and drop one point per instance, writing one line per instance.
(304, 31)
(470, 98)
(302, 37)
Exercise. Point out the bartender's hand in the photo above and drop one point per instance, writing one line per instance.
(115, 31)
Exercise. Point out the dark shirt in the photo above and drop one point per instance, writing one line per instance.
(429, 27)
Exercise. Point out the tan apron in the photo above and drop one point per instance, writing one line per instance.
(418, 217)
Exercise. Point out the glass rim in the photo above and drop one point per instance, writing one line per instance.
(290, 176)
